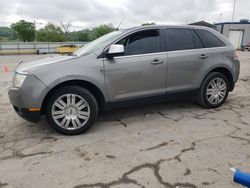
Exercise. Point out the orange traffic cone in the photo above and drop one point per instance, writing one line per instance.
(6, 68)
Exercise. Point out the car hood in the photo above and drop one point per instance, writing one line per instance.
(34, 65)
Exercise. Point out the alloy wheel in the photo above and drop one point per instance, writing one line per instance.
(70, 111)
(216, 91)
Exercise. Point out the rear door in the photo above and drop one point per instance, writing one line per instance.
(187, 57)
(218, 49)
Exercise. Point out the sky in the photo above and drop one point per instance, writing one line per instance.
(90, 13)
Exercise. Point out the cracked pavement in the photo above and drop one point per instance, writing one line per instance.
(172, 144)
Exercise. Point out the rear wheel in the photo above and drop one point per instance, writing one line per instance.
(71, 110)
(214, 90)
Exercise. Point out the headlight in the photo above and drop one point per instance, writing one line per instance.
(19, 79)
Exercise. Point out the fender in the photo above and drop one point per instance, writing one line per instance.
(216, 66)
(77, 78)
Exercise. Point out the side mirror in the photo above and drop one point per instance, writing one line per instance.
(115, 50)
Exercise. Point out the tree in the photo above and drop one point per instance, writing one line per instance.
(101, 30)
(24, 30)
(148, 23)
(6, 34)
(66, 28)
(50, 33)
(84, 35)
(89, 35)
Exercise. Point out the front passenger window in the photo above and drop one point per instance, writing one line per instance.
(142, 42)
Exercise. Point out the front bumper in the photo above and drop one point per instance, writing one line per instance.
(30, 95)
(27, 115)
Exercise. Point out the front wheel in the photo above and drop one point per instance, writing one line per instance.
(214, 90)
(71, 110)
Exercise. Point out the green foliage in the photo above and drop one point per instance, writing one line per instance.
(89, 35)
(148, 23)
(4, 39)
(50, 33)
(101, 30)
(82, 35)
(24, 30)
(6, 32)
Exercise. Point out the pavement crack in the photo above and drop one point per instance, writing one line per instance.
(122, 122)
(187, 172)
(3, 184)
(240, 138)
(213, 170)
(246, 79)
(184, 185)
(1, 135)
(49, 138)
(110, 156)
(191, 148)
(158, 146)
(173, 119)
(208, 183)
(155, 167)
(20, 155)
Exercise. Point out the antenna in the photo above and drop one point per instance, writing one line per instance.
(120, 23)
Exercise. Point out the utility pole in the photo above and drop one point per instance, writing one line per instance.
(35, 39)
(35, 35)
(233, 13)
(221, 14)
(234, 5)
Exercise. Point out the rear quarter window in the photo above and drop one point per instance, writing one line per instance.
(210, 39)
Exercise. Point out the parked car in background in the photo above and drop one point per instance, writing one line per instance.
(124, 67)
(66, 49)
(247, 47)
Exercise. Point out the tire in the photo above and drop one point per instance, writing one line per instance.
(206, 93)
(71, 110)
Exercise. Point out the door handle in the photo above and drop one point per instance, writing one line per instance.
(204, 56)
(156, 62)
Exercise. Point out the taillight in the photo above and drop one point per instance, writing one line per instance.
(236, 56)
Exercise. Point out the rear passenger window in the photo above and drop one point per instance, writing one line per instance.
(210, 39)
(182, 39)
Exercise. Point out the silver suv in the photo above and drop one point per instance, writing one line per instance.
(122, 68)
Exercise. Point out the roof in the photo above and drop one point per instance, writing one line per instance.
(140, 28)
(167, 26)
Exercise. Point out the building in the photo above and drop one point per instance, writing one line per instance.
(238, 33)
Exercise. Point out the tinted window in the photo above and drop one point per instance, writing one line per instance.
(210, 39)
(142, 42)
(182, 39)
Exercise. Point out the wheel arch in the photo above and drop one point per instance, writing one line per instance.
(225, 71)
(97, 93)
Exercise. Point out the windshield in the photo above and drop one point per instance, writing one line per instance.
(99, 42)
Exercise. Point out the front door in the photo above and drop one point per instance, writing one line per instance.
(141, 71)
